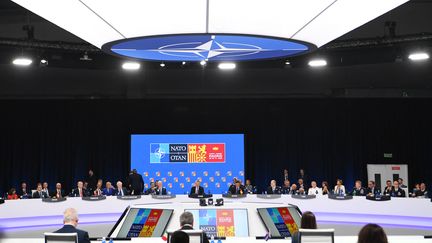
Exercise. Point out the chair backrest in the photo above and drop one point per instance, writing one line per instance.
(33, 191)
(316, 235)
(406, 192)
(61, 238)
(195, 236)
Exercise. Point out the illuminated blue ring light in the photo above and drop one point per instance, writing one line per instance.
(207, 47)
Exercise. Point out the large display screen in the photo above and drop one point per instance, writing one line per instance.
(179, 160)
(283, 221)
(145, 222)
(221, 222)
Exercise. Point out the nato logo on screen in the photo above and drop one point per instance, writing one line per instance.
(208, 47)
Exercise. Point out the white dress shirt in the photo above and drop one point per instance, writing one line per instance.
(315, 191)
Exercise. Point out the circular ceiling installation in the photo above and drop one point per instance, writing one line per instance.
(206, 47)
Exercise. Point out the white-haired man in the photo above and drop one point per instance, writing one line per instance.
(70, 221)
(186, 223)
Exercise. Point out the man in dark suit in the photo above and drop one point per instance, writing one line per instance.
(24, 192)
(186, 223)
(160, 190)
(372, 190)
(80, 191)
(237, 188)
(397, 191)
(136, 183)
(58, 192)
(108, 190)
(358, 190)
(120, 190)
(197, 189)
(91, 180)
(39, 193)
(70, 221)
(273, 189)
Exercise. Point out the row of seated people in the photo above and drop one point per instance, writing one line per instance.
(394, 190)
(81, 190)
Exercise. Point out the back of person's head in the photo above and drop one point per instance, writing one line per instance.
(179, 237)
(70, 216)
(308, 221)
(186, 218)
(372, 233)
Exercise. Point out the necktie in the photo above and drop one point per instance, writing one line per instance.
(160, 191)
(196, 190)
(40, 194)
(80, 192)
(237, 190)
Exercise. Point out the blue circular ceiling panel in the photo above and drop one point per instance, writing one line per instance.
(208, 47)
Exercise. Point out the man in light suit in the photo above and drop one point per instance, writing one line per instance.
(70, 221)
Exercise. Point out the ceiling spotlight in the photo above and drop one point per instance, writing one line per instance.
(418, 56)
(162, 65)
(22, 61)
(131, 66)
(203, 63)
(227, 66)
(183, 63)
(317, 63)
(43, 61)
(287, 63)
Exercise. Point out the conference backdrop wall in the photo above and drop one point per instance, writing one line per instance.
(58, 140)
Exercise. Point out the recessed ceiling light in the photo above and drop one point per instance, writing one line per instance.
(162, 65)
(227, 66)
(22, 61)
(418, 56)
(203, 63)
(131, 66)
(317, 63)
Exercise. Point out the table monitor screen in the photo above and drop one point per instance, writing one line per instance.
(281, 221)
(145, 222)
(221, 222)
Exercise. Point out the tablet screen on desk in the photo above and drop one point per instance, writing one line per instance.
(145, 222)
(281, 221)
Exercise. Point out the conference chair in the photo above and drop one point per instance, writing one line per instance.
(195, 236)
(61, 238)
(406, 192)
(316, 235)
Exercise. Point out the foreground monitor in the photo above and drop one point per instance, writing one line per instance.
(221, 222)
(142, 222)
(281, 221)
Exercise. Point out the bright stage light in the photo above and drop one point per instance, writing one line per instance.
(203, 63)
(227, 66)
(22, 61)
(317, 63)
(131, 66)
(162, 65)
(419, 56)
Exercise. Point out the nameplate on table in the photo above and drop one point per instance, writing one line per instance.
(303, 196)
(129, 197)
(269, 196)
(227, 195)
(340, 197)
(94, 198)
(163, 196)
(200, 196)
(379, 198)
(53, 200)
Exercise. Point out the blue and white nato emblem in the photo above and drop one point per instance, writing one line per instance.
(208, 47)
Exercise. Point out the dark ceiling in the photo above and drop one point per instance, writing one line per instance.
(371, 71)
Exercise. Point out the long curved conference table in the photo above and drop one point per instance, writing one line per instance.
(399, 212)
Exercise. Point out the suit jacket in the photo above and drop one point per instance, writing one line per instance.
(75, 193)
(36, 194)
(374, 192)
(83, 236)
(136, 183)
(397, 193)
(200, 190)
(164, 191)
(108, 191)
(187, 227)
(233, 190)
(118, 193)
(276, 191)
(54, 193)
(26, 194)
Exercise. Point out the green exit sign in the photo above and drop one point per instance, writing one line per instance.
(388, 155)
